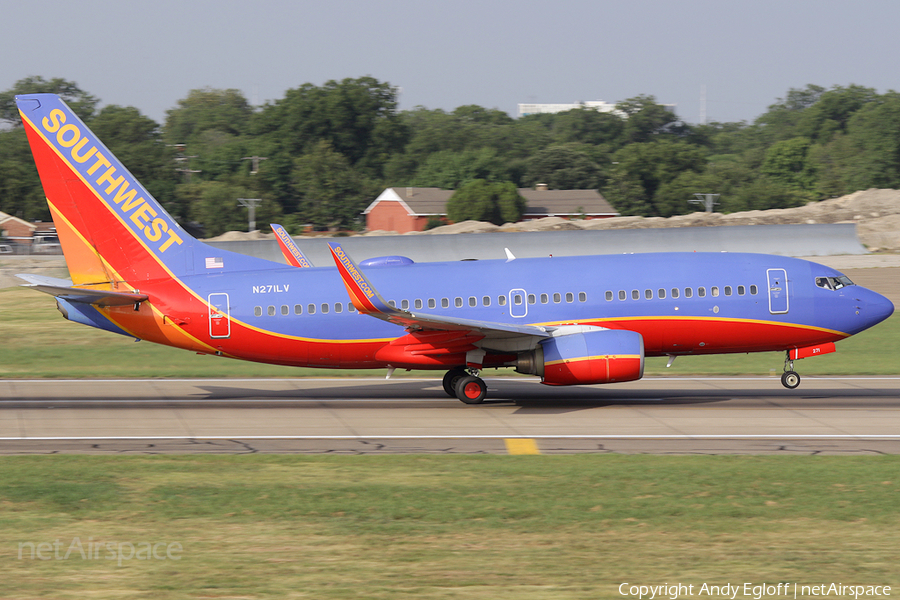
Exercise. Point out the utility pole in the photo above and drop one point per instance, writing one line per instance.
(251, 204)
(254, 166)
(707, 200)
(185, 161)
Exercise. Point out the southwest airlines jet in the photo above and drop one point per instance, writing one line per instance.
(569, 320)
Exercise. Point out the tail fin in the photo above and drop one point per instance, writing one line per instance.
(110, 228)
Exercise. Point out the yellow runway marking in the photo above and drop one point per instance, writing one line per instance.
(521, 446)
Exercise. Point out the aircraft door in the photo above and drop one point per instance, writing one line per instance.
(778, 291)
(518, 303)
(219, 316)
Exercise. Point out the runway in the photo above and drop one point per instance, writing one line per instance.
(659, 415)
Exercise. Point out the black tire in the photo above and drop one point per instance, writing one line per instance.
(451, 378)
(790, 380)
(471, 389)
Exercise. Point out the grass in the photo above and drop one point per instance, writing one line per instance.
(36, 342)
(446, 527)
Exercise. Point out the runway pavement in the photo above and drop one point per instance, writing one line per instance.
(659, 415)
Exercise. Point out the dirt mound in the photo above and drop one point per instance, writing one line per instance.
(876, 214)
(241, 236)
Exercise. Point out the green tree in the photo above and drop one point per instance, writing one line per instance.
(449, 170)
(562, 168)
(480, 200)
(646, 118)
(333, 194)
(786, 163)
(874, 132)
(651, 165)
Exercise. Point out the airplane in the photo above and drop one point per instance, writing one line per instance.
(569, 320)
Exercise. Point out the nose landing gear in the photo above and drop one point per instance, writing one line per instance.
(790, 378)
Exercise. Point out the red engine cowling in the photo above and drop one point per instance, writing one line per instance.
(599, 356)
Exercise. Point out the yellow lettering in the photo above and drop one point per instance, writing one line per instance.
(56, 118)
(123, 195)
(140, 217)
(155, 230)
(77, 149)
(101, 160)
(132, 203)
(113, 183)
(62, 132)
(173, 237)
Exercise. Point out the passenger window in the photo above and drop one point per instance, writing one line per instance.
(570, 297)
(582, 297)
(622, 294)
(675, 292)
(311, 309)
(432, 303)
(517, 299)
(473, 301)
(457, 302)
(404, 304)
(351, 308)
(635, 295)
(753, 290)
(557, 298)
(715, 291)
(609, 295)
(257, 311)
(688, 292)
(285, 309)
(545, 298)
(648, 294)
(701, 292)
(486, 301)
(662, 293)
(418, 303)
(501, 300)
(325, 308)
(445, 302)
(741, 290)
(338, 307)
(298, 309)
(270, 311)
(727, 290)
(531, 299)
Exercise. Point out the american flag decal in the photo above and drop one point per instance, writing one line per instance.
(215, 263)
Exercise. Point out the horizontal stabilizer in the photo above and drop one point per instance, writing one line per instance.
(62, 288)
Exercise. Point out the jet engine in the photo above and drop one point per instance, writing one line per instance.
(585, 356)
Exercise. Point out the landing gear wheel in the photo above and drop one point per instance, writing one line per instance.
(471, 389)
(451, 378)
(790, 380)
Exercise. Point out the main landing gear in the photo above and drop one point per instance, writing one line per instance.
(465, 385)
(790, 378)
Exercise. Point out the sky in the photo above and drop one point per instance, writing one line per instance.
(496, 54)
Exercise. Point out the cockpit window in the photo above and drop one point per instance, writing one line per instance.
(833, 283)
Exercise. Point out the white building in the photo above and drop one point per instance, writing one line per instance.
(598, 105)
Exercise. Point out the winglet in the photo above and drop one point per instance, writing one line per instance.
(509, 255)
(362, 294)
(289, 247)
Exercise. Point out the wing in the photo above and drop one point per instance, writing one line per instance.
(289, 247)
(62, 288)
(368, 301)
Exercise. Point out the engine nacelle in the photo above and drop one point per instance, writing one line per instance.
(598, 356)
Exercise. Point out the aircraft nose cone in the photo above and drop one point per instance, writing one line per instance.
(875, 308)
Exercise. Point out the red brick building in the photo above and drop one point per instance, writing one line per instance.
(16, 229)
(408, 209)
